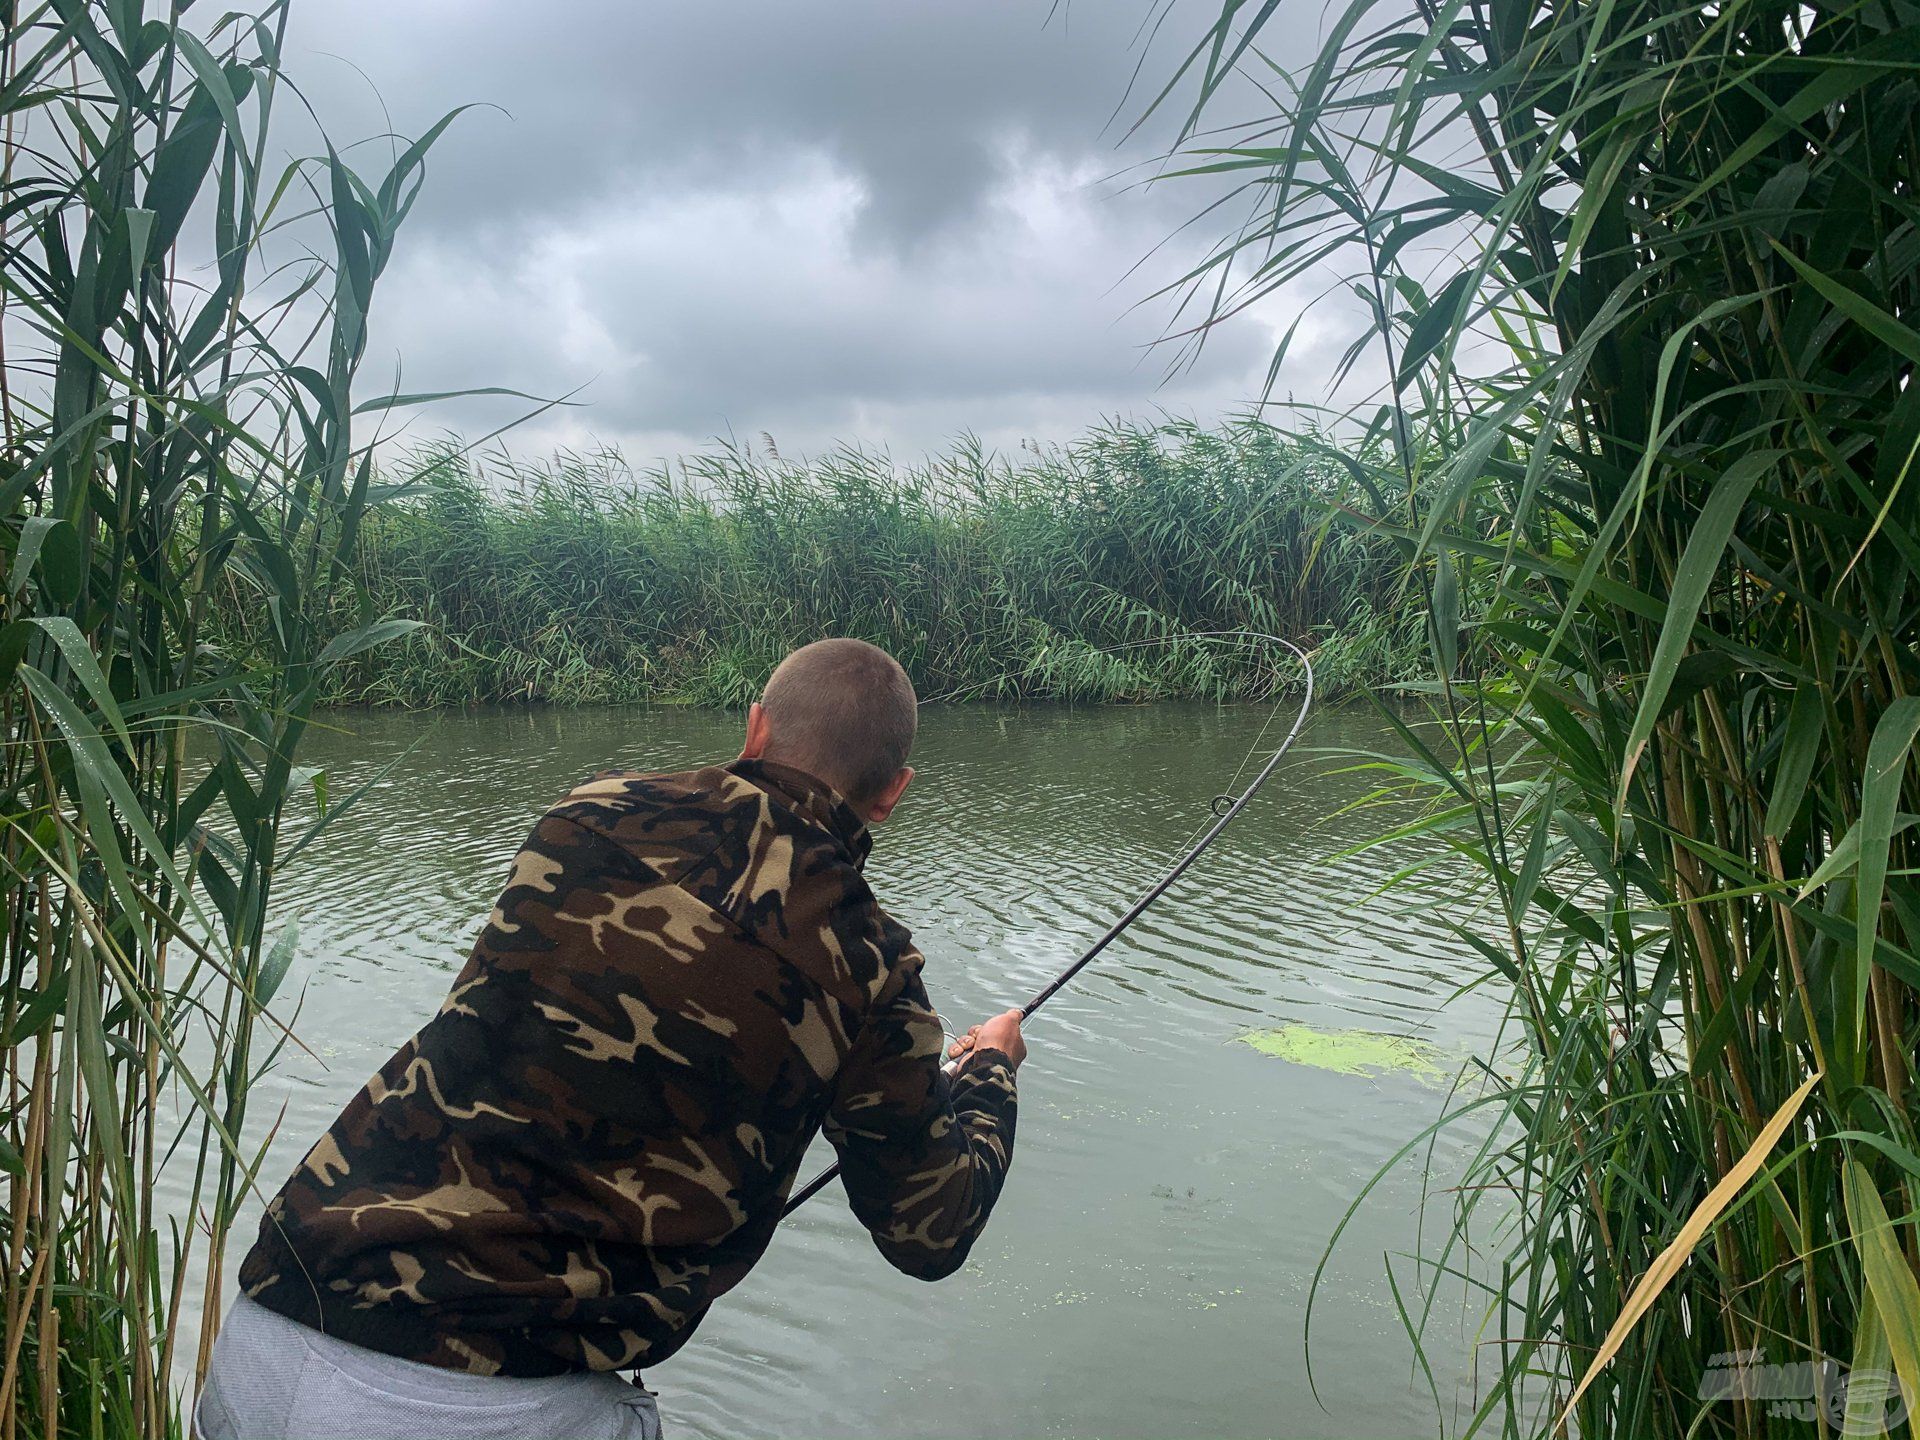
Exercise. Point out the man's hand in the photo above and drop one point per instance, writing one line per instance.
(1001, 1033)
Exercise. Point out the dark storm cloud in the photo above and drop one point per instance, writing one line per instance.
(915, 98)
(869, 220)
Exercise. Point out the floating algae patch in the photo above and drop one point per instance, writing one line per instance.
(1346, 1052)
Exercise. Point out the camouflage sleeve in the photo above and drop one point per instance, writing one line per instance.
(922, 1156)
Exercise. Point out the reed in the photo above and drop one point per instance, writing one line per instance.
(182, 325)
(579, 581)
(1644, 275)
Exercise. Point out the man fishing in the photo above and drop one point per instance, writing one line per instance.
(686, 977)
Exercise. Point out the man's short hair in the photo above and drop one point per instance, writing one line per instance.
(843, 710)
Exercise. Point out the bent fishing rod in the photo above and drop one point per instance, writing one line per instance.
(1226, 809)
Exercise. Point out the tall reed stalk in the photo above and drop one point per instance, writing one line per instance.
(176, 424)
(1644, 279)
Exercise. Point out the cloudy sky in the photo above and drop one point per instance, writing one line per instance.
(877, 221)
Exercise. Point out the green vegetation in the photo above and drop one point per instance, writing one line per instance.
(581, 582)
(1644, 463)
(1652, 424)
(198, 551)
(158, 446)
(1345, 1052)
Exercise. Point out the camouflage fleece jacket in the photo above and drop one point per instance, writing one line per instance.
(685, 978)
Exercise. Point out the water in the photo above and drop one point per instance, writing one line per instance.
(1147, 1270)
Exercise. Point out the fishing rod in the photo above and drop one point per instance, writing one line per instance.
(1226, 809)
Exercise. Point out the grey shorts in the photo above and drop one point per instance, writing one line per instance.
(273, 1379)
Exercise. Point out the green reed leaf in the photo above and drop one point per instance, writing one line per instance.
(80, 660)
(1887, 755)
(365, 637)
(1698, 568)
(1799, 749)
(1856, 307)
(95, 768)
(63, 569)
(1890, 1279)
(276, 963)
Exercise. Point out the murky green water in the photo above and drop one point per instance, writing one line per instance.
(1146, 1273)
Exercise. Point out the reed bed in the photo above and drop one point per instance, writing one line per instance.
(1645, 277)
(182, 322)
(578, 581)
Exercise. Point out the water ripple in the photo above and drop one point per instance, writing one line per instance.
(1172, 1190)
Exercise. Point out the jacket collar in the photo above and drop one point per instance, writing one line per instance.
(813, 798)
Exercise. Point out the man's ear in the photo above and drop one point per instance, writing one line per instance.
(881, 806)
(757, 731)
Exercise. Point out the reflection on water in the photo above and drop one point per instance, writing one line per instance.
(1147, 1270)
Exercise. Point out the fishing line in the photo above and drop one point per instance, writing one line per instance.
(1226, 809)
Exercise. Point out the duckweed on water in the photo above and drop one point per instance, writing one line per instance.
(1346, 1052)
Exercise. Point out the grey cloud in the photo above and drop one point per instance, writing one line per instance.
(866, 220)
(605, 96)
